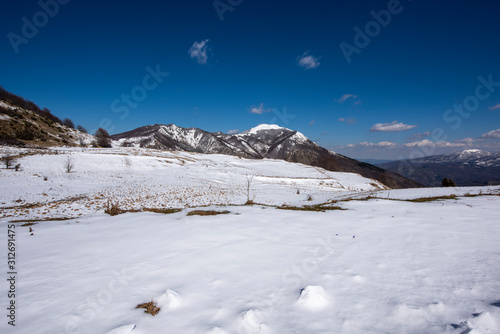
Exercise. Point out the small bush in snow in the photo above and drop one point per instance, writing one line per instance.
(113, 208)
(248, 185)
(8, 160)
(69, 164)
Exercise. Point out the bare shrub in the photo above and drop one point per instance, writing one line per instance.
(103, 138)
(81, 129)
(69, 164)
(248, 187)
(69, 123)
(8, 160)
(113, 208)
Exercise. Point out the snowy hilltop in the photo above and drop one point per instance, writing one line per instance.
(263, 141)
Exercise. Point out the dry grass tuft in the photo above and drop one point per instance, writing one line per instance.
(207, 213)
(150, 307)
(316, 208)
(113, 208)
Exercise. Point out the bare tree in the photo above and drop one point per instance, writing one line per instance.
(103, 138)
(8, 160)
(248, 186)
(69, 123)
(69, 164)
(81, 129)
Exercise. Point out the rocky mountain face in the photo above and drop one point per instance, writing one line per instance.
(263, 141)
(466, 168)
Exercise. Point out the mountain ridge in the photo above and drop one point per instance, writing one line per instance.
(467, 168)
(263, 141)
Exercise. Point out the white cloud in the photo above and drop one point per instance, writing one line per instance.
(430, 143)
(468, 141)
(392, 127)
(492, 134)
(199, 51)
(381, 144)
(495, 107)
(346, 97)
(233, 132)
(308, 62)
(259, 110)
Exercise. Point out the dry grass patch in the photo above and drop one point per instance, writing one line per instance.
(431, 199)
(207, 213)
(316, 208)
(28, 224)
(150, 307)
(163, 211)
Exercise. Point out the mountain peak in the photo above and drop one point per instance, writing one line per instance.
(263, 141)
(473, 151)
(264, 127)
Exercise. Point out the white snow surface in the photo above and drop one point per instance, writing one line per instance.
(381, 265)
(142, 178)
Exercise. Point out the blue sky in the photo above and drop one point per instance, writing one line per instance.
(368, 79)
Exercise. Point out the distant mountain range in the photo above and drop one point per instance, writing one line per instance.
(467, 168)
(263, 141)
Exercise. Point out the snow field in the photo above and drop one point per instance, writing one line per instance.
(138, 178)
(379, 267)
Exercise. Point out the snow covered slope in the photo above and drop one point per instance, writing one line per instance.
(142, 178)
(263, 141)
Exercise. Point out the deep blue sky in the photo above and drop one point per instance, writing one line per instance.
(427, 59)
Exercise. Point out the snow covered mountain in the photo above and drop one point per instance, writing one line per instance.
(263, 141)
(466, 168)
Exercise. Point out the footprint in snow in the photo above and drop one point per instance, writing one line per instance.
(252, 321)
(127, 329)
